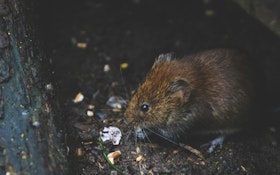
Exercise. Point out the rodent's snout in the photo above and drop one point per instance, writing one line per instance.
(133, 117)
(127, 116)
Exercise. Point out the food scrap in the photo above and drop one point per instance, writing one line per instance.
(124, 65)
(79, 97)
(139, 158)
(81, 45)
(111, 133)
(113, 155)
(79, 152)
(90, 113)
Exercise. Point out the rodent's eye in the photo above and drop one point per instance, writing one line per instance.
(144, 107)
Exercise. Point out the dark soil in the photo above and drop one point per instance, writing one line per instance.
(136, 32)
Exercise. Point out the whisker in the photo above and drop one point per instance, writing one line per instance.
(186, 147)
(161, 136)
(131, 130)
(128, 136)
(146, 136)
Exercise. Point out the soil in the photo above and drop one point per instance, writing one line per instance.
(81, 37)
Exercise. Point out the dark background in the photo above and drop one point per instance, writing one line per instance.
(136, 32)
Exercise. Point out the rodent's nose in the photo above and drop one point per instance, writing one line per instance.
(127, 117)
(132, 118)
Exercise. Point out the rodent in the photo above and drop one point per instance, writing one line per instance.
(204, 93)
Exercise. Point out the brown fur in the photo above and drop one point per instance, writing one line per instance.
(208, 92)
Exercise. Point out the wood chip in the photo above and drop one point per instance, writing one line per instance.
(192, 150)
(243, 168)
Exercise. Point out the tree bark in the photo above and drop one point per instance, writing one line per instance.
(28, 137)
(266, 11)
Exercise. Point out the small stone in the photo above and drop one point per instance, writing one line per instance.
(49, 87)
(184, 170)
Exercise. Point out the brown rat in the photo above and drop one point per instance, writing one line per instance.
(208, 92)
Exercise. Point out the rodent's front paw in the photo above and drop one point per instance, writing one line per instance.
(139, 133)
(214, 143)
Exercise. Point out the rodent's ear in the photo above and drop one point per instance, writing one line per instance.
(163, 58)
(179, 89)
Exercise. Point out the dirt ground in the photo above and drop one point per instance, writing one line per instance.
(85, 37)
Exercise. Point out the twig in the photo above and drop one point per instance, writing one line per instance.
(192, 150)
